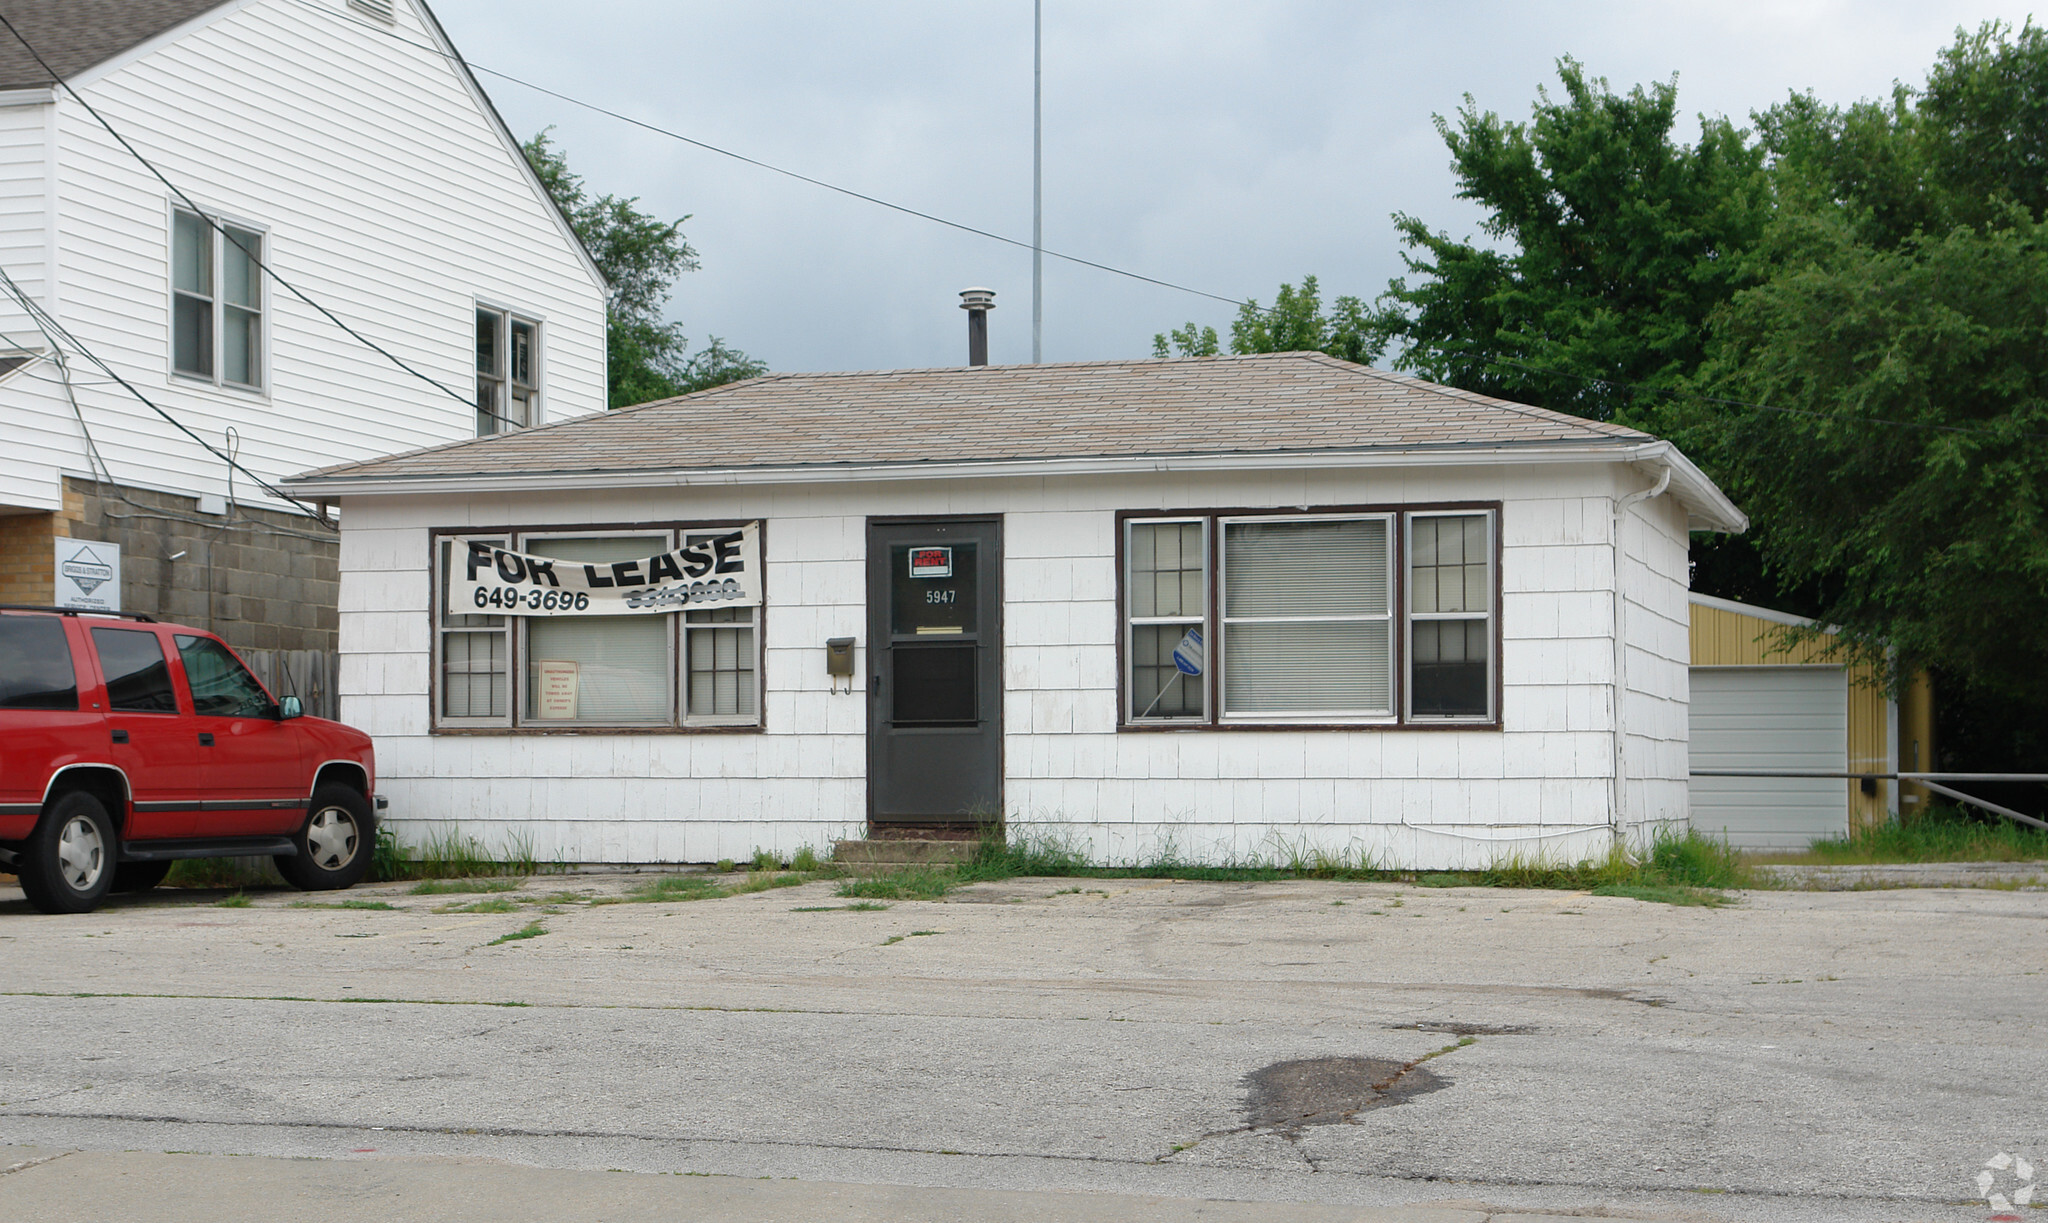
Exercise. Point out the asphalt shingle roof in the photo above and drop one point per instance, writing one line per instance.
(1277, 403)
(74, 35)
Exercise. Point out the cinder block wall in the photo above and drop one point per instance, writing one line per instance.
(262, 579)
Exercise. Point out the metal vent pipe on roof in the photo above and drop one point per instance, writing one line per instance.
(977, 303)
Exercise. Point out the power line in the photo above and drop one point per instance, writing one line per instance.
(876, 200)
(217, 227)
(54, 330)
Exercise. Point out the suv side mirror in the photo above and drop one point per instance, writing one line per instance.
(290, 708)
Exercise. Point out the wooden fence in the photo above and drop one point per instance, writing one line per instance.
(306, 674)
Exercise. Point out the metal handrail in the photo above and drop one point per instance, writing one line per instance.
(1930, 781)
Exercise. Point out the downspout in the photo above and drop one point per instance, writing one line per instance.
(1622, 506)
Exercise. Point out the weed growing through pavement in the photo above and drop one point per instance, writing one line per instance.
(446, 887)
(451, 855)
(240, 900)
(213, 873)
(532, 929)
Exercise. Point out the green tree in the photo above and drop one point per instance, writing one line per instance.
(1906, 471)
(641, 255)
(1611, 244)
(1295, 323)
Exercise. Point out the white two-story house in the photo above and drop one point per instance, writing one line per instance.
(288, 233)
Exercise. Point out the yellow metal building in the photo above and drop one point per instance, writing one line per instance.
(1765, 699)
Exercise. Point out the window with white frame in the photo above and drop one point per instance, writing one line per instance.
(1314, 615)
(507, 369)
(656, 671)
(216, 301)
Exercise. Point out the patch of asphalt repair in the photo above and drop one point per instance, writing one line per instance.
(1287, 1097)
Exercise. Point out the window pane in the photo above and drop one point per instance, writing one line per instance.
(522, 353)
(35, 664)
(1331, 567)
(1330, 668)
(138, 678)
(721, 666)
(221, 686)
(242, 279)
(191, 255)
(488, 349)
(1154, 678)
(192, 335)
(1167, 567)
(1450, 668)
(241, 347)
(488, 413)
(1449, 570)
(474, 675)
(622, 664)
(519, 413)
(452, 554)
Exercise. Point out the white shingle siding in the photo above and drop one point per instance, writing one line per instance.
(1422, 798)
(387, 195)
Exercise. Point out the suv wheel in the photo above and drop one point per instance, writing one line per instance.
(68, 864)
(334, 843)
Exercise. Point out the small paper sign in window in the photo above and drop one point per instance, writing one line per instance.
(931, 562)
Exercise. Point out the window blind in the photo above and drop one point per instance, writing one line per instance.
(1307, 667)
(1322, 568)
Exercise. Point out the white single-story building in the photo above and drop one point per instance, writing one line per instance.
(1225, 608)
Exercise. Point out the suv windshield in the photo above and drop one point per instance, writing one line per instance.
(35, 664)
(221, 686)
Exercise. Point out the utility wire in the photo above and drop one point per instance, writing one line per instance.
(217, 227)
(876, 200)
(54, 329)
(1075, 259)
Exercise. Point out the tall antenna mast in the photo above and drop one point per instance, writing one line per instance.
(1037, 188)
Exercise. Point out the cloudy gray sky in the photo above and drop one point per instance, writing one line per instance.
(1222, 145)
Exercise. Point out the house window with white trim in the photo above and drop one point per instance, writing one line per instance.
(216, 301)
(507, 371)
(1311, 618)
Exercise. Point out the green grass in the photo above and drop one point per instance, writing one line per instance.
(240, 900)
(532, 929)
(451, 855)
(1683, 869)
(1943, 834)
(449, 887)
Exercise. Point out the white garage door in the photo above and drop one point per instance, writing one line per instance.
(1770, 718)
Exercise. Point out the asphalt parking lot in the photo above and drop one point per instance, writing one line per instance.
(1030, 1049)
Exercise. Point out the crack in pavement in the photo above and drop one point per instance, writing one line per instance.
(271, 1127)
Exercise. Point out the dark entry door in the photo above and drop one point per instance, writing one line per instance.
(935, 699)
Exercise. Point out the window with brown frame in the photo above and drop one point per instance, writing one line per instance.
(1344, 617)
(694, 670)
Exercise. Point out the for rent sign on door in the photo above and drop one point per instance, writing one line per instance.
(711, 570)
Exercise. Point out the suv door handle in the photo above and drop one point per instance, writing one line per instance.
(206, 738)
(120, 736)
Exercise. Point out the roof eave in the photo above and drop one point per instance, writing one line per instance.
(1606, 450)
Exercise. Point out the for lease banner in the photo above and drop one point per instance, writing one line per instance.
(712, 569)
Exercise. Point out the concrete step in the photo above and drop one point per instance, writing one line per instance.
(894, 852)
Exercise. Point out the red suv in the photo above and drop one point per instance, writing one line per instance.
(126, 744)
